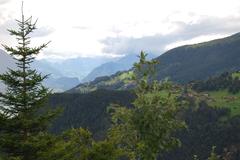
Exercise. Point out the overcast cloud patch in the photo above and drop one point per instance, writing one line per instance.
(157, 43)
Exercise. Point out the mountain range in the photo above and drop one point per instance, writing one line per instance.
(78, 67)
(182, 65)
(66, 74)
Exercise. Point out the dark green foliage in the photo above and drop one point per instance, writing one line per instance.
(74, 144)
(207, 126)
(23, 124)
(78, 144)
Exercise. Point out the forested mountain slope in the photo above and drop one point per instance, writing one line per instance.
(199, 61)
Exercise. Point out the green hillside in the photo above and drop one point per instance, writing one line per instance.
(118, 81)
(227, 100)
(200, 61)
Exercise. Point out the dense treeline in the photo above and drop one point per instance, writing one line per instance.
(224, 81)
(87, 110)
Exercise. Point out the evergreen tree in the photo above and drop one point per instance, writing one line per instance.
(147, 129)
(23, 119)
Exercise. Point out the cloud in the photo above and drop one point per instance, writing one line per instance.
(208, 25)
(205, 26)
(9, 24)
(81, 27)
(119, 27)
(4, 1)
(42, 32)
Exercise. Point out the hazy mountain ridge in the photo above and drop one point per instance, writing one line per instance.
(44, 67)
(56, 80)
(184, 64)
(78, 67)
(109, 68)
(6, 62)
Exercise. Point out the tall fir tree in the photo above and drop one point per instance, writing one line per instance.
(23, 119)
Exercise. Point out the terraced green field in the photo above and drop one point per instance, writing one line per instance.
(225, 99)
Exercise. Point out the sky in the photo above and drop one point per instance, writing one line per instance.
(90, 28)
